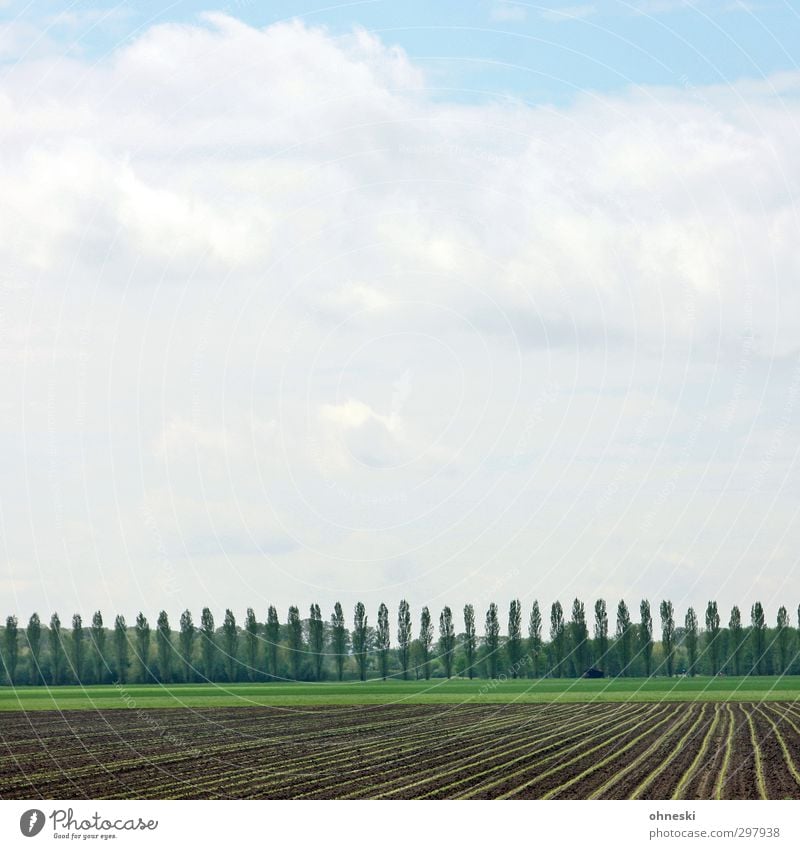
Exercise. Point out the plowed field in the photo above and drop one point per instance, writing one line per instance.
(533, 751)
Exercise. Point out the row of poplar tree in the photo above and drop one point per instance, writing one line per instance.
(315, 649)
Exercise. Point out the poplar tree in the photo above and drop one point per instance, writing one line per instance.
(646, 636)
(601, 631)
(425, 640)
(77, 647)
(273, 635)
(164, 647)
(470, 639)
(316, 640)
(97, 635)
(121, 648)
(33, 635)
(668, 635)
(295, 635)
(186, 641)
(514, 642)
(758, 636)
(535, 637)
(580, 637)
(338, 639)
(404, 636)
(383, 639)
(491, 639)
(624, 634)
(251, 642)
(208, 644)
(690, 624)
(447, 640)
(57, 654)
(737, 639)
(143, 645)
(230, 641)
(782, 638)
(712, 636)
(11, 648)
(360, 639)
(557, 635)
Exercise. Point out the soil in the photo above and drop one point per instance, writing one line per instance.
(397, 751)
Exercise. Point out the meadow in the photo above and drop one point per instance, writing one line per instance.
(373, 692)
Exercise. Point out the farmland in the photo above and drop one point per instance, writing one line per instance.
(436, 691)
(622, 750)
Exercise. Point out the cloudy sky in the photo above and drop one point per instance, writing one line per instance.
(453, 304)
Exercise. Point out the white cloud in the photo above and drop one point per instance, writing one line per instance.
(259, 279)
(568, 13)
(508, 12)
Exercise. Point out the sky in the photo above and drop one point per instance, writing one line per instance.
(453, 302)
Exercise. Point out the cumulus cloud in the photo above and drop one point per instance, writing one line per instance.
(434, 312)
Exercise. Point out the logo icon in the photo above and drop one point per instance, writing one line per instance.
(31, 822)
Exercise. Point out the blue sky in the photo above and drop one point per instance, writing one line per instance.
(456, 302)
(540, 52)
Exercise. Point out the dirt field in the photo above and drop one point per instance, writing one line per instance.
(600, 751)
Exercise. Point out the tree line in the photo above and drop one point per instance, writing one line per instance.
(316, 649)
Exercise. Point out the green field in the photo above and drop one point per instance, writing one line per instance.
(455, 691)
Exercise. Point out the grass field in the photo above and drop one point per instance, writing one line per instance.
(455, 691)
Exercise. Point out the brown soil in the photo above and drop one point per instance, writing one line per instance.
(398, 751)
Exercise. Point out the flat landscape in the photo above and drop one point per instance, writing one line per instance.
(436, 691)
(623, 750)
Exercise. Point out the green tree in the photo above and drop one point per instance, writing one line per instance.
(164, 646)
(646, 636)
(11, 648)
(186, 640)
(514, 641)
(601, 632)
(425, 640)
(535, 637)
(668, 635)
(470, 639)
(295, 635)
(736, 639)
(33, 635)
(273, 635)
(57, 653)
(783, 636)
(558, 635)
(447, 640)
(404, 636)
(579, 635)
(316, 640)
(78, 649)
(121, 648)
(624, 635)
(491, 639)
(383, 636)
(97, 634)
(360, 639)
(338, 639)
(758, 635)
(251, 642)
(208, 643)
(690, 624)
(143, 646)
(230, 642)
(713, 632)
